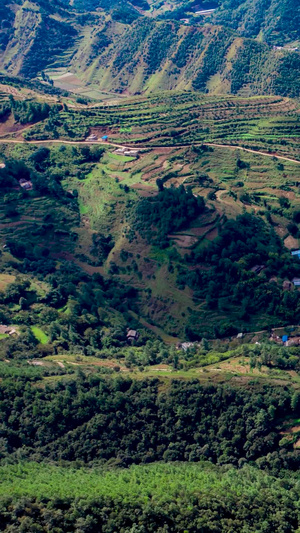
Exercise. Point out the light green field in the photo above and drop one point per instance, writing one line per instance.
(39, 335)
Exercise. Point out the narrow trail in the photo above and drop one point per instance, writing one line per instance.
(148, 146)
(231, 147)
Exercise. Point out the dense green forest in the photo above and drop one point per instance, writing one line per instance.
(278, 22)
(127, 422)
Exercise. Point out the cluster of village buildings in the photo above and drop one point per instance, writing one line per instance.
(120, 151)
(286, 340)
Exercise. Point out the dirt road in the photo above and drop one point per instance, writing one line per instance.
(148, 146)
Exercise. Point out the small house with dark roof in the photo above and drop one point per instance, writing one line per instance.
(25, 184)
(256, 269)
(132, 335)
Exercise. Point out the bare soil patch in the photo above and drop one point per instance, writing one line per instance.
(144, 190)
(184, 241)
(290, 243)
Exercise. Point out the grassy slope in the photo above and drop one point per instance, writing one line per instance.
(39, 334)
(208, 58)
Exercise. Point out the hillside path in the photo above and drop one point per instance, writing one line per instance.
(148, 146)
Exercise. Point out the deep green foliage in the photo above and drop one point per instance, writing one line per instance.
(132, 422)
(25, 112)
(124, 14)
(160, 44)
(244, 68)
(187, 47)
(132, 41)
(288, 83)
(172, 209)
(7, 20)
(231, 279)
(213, 60)
(52, 38)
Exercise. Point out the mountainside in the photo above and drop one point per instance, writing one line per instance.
(124, 51)
(149, 266)
(275, 21)
(152, 55)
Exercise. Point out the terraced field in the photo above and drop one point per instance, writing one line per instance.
(174, 119)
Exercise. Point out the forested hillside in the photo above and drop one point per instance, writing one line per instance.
(65, 449)
(275, 21)
(124, 51)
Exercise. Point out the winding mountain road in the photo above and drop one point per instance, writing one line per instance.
(148, 146)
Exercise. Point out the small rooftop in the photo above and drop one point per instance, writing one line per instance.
(25, 184)
(92, 137)
(132, 333)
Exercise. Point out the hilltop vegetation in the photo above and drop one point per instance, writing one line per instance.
(89, 420)
(277, 22)
(143, 499)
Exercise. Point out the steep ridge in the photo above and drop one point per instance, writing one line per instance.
(143, 55)
(149, 55)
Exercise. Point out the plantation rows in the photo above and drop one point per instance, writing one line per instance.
(183, 119)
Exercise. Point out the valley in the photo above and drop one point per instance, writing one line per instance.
(149, 266)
